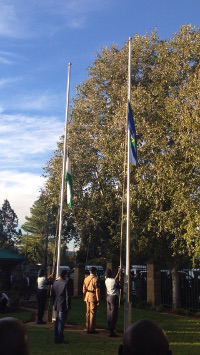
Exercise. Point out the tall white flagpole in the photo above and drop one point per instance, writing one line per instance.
(63, 174)
(128, 304)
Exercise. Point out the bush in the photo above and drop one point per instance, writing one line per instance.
(183, 312)
(143, 305)
(159, 308)
(16, 290)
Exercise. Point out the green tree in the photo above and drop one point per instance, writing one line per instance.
(39, 230)
(166, 113)
(9, 235)
(165, 183)
(42, 229)
(167, 187)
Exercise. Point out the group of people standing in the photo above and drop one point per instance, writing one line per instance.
(142, 337)
(61, 297)
(91, 295)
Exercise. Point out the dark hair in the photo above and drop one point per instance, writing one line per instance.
(108, 273)
(13, 337)
(93, 269)
(41, 273)
(63, 273)
(145, 337)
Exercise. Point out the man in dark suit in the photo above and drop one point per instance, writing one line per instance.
(61, 306)
(69, 283)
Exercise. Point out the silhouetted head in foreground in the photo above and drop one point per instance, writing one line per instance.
(13, 337)
(145, 337)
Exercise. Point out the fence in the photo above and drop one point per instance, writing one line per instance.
(189, 288)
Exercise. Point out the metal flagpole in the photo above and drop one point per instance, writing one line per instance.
(63, 174)
(128, 304)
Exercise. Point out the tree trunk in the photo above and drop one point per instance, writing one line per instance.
(175, 289)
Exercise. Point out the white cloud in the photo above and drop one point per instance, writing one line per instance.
(26, 144)
(36, 101)
(21, 190)
(4, 60)
(21, 18)
(26, 140)
(10, 58)
(7, 81)
(22, 101)
(10, 23)
(76, 12)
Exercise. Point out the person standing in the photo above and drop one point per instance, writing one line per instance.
(112, 299)
(4, 302)
(42, 285)
(60, 300)
(91, 296)
(69, 283)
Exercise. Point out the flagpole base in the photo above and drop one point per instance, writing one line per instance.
(127, 315)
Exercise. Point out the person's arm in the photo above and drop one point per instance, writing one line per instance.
(84, 290)
(69, 291)
(97, 290)
(53, 295)
(50, 279)
(118, 276)
(118, 279)
(67, 298)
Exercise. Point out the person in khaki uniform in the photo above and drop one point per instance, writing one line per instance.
(91, 296)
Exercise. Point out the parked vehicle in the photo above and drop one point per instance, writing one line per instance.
(64, 267)
(100, 270)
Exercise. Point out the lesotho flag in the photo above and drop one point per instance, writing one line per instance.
(68, 178)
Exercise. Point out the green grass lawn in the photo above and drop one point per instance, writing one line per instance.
(183, 332)
(41, 342)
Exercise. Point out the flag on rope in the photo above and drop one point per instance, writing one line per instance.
(133, 142)
(68, 178)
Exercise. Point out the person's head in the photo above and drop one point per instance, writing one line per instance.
(13, 337)
(41, 273)
(144, 337)
(108, 273)
(93, 270)
(64, 274)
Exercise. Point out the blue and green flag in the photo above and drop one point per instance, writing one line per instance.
(68, 178)
(133, 142)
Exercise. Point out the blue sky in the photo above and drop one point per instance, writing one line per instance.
(37, 40)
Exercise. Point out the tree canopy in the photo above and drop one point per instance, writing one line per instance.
(9, 235)
(165, 87)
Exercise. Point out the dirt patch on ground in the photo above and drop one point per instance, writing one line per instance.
(102, 333)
